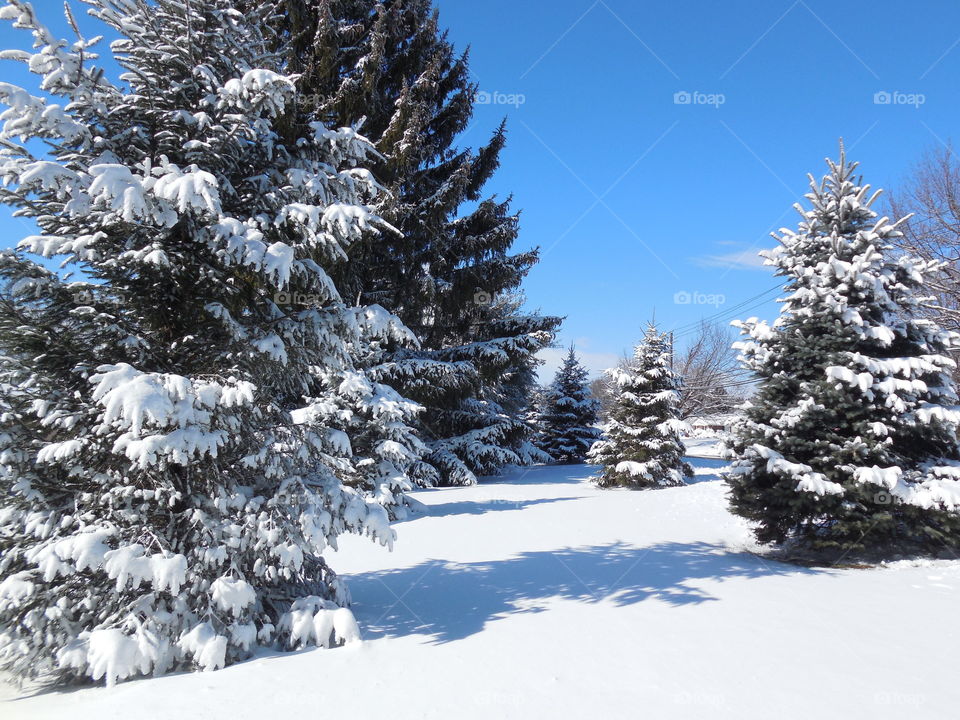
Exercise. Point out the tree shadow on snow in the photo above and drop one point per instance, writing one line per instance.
(450, 601)
(572, 474)
(707, 469)
(479, 507)
(701, 477)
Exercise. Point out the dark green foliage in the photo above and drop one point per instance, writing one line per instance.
(449, 275)
(568, 415)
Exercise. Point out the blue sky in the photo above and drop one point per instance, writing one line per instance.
(638, 200)
(694, 189)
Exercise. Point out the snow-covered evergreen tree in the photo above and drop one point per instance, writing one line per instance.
(568, 418)
(450, 277)
(535, 407)
(183, 429)
(641, 447)
(850, 443)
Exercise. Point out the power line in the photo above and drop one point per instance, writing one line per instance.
(717, 317)
(728, 313)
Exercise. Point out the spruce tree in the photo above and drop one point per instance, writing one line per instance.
(183, 428)
(449, 275)
(850, 444)
(536, 405)
(641, 447)
(569, 414)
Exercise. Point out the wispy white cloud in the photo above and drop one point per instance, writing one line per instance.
(737, 260)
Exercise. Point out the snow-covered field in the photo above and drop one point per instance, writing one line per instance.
(539, 596)
(703, 447)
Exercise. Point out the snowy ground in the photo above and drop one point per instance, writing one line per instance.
(539, 596)
(702, 447)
